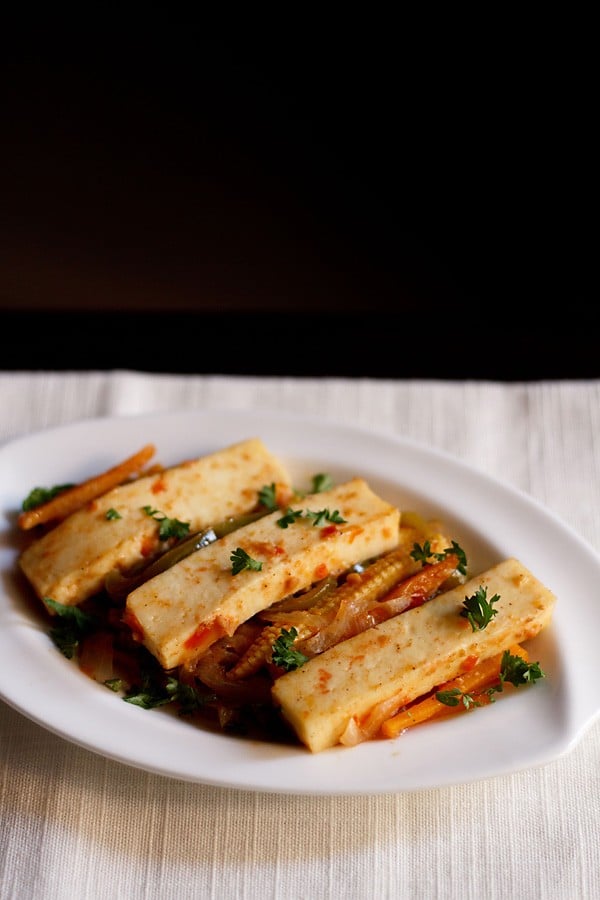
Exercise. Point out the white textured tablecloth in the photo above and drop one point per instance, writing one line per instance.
(74, 825)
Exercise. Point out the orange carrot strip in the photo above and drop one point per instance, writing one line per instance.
(68, 501)
(479, 677)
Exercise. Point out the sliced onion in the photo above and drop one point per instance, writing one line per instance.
(352, 734)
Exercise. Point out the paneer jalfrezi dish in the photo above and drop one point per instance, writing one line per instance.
(318, 614)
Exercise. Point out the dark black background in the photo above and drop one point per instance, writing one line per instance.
(386, 205)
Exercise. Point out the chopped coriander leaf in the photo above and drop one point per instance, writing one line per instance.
(173, 528)
(154, 691)
(469, 701)
(454, 697)
(283, 653)
(66, 638)
(168, 528)
(188, 698)
(424, 554)
(515, 670)
(478, 610)
(83, 620)
(321, 482)
(148, 698)
(324, 515)
(115, 684)
(73, 624)
(462, 557)
(449, 698)
(319, 517)
(149, 692)
(240, 560)
(289, 518)
(40, 495)
(421, 553)
(112, 514)
(267, 496)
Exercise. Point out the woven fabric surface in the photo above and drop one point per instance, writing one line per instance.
(76, 825)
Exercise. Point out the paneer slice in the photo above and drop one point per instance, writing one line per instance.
(408, 655)
(180, 612)
(70, 562)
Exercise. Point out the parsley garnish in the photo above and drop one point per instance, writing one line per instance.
(154, 691)
(462, 557)
(155, 688)
(283, 654)
(321, 482)
(455, 696)
(186, 696)
(515, 670)
(40, 495)
(240, 560)
(148, 698)
(150, 691)
(478, 609)
(267, 496)
(112, 514)
(73, 625)
(424, 553)
(289, 518)
(169, 528)
(292, 515)
(324, 514)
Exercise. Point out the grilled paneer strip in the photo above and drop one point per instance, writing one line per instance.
(179, 613)
(409, 655)
(70, 562)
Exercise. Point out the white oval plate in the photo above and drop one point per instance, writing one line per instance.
(490, 520)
